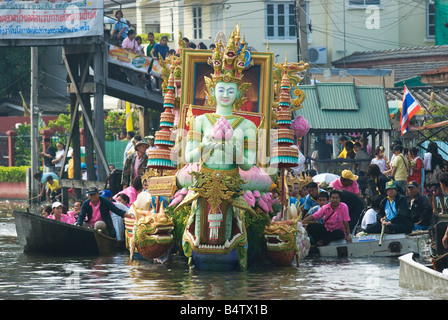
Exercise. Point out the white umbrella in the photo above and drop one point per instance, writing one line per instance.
(325, 177)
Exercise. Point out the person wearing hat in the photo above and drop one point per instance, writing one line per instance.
(97, 211)
(394, 213)
(135, 164)
(150, 142)
(57, 213)
(421, 210)
(48, 156)
(347, 182)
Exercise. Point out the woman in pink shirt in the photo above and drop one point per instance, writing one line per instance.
(130, 43)
(335, 222)
(347, 182)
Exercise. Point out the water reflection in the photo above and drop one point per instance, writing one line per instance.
(116, 277)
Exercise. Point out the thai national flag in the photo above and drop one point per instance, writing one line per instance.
(410, 108)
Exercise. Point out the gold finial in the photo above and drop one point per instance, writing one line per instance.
(267, 46)
(243, 40)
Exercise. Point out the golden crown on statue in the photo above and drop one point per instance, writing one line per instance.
(228, 64)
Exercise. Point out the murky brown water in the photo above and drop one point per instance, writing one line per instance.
(26, 277)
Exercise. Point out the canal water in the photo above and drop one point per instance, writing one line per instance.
(115, 277)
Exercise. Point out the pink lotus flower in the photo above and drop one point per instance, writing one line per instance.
(222, 130)
(300, 126)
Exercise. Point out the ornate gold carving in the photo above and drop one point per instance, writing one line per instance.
(217, 185)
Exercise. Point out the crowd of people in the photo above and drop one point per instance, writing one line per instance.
(374, 167)
(123, 36)
(399, 195)
(101, 209)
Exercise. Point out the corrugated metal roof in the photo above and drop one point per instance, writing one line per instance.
(341, 98)
(372, 114)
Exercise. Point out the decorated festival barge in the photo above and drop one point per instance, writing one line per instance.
(225, 143)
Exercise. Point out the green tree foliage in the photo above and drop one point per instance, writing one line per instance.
(15, 66)
(439, 113)
(22, 147)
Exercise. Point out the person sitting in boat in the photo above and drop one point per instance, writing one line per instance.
(421, 210)
(97, 210)
(311, 198)
(292, 197)
(443, 180)
(58, 214)
(394, 213)
(76, 210)
(46, 211)
(117, 221)
(370, 215)
(322, 199)
(335, 222)
(124, 200)
(347, 182)
(354, 203)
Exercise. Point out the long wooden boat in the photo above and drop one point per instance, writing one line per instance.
(372, 245)
(416, 275)
(37, 234)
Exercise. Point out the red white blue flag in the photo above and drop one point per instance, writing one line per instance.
(410, 108)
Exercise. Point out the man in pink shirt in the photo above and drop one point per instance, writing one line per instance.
(335, 222)
(130, 43)
(97, 211)
(347, 182)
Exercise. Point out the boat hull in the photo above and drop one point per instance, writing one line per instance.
(369, 246)
(37, 234)
(415, 275)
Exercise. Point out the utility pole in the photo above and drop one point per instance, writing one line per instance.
(34, 122)
(302, 37)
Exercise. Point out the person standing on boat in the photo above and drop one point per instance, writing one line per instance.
(444, 185)
(335, 222)
(421, 210)
(394, 213)
(97, 210)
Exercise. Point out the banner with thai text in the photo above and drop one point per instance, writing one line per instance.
(43, 19)
(133, 61)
